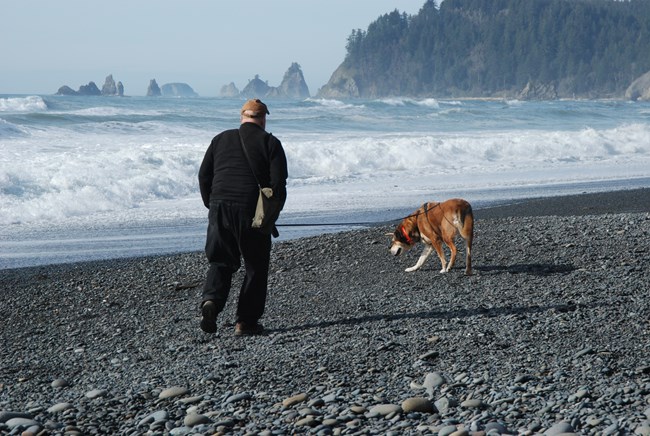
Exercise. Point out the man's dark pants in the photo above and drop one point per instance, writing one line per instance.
(229, 238)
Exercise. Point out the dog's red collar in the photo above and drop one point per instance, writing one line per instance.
(406, 235)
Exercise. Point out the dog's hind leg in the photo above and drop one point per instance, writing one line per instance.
(467, 232)
(468, 257)
(428, 249)
(452, 258)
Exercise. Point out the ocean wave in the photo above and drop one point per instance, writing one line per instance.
(333, 104)
(111, 111)
(32, 103)
(77, 164)
(330, 158)
(77, 182)
(400, 101)
(9, 130)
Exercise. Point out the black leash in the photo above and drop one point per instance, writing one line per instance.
(367, 223)
(362, 223)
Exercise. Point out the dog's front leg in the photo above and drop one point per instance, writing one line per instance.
(423, 257)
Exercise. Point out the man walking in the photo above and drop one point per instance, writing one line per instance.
(229, 189)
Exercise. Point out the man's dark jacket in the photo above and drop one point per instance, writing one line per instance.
(226, 175)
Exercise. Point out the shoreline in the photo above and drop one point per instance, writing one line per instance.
(594, 203)
(550, 334)
(617, 200)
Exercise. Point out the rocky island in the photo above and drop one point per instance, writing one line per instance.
(110, 88)
(293, 86)
(177, 90)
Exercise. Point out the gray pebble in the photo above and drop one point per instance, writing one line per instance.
(194, 419)
(384, 409)
(345, 327)
(159, 415)
(96, 393)
(60, 407)
(560, 428)
(299, 398)
(417, 404)
(20, 422)
(443, 404)
(173, 392)
(238, 397)
(60, 383)
(473, 403)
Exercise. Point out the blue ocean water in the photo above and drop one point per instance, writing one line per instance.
(84, 178)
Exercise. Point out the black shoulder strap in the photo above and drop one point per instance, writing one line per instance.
(248, 159)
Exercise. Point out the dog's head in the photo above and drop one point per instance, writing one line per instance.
(405, 236)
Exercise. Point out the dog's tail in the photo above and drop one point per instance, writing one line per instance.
(466, 220)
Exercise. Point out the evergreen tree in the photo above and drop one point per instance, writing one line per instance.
(478, 47)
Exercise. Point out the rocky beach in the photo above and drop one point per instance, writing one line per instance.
(550, 335)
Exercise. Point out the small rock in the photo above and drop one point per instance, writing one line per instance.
(157, 416)
(582, 393)
(175, 391)
(307, 421)
(238, 397)
(583, 352)
(642, 430)
(593, 421)
(6, 416)
(191, 400)
(559, 428)
(195, 419)
(96, 393)
(291, 401)
(444, 404)
(447, 430)
(60, 407)
(429, 355)
(432, 381)
(473, 404)
(417, 404)
(496, 427)
(318, 402)
(20, 422)
(384, 409)
(32, 431)
(60, 383)
(180, 431)
(523, 378)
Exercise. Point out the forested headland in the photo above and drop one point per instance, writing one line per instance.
(479, 48)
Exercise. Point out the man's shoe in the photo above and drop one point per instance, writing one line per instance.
(209, 314)
(247, 329)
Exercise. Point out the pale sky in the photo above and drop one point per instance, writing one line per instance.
(45, 44)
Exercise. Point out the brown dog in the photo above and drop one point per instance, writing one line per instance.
(434, 223)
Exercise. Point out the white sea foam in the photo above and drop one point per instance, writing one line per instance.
(107, 174)
(108, 111)
(333, 103)
(399, 101)
(23, 104)
(8, 129)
